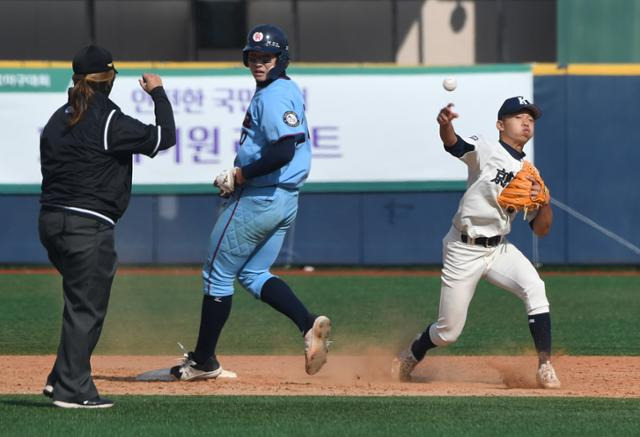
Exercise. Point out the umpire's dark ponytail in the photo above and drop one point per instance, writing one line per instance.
(84, 87)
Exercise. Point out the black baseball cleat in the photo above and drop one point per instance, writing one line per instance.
(96, 402)
(189, 369)
(48, 391)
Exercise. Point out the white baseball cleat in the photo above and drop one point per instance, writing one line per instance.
(227, 374)
(402, 366)
(546, 376)
(316, 345)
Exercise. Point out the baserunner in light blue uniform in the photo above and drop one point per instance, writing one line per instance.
(272, 163)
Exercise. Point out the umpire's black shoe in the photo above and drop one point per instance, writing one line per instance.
(96, 402)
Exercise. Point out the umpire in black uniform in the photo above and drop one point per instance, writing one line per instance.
(86, 152)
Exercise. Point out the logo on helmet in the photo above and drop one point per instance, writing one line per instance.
(258, 36)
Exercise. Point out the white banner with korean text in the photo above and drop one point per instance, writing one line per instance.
(368, 127)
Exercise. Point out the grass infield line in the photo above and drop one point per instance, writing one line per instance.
(310, 416)
(188, 271)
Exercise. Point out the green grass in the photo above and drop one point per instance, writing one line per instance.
(353, 416)
(149, 313)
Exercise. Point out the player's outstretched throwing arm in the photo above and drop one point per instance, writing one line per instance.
(445, 119)
(453, 143)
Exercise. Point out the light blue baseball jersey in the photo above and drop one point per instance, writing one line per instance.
(276, 111)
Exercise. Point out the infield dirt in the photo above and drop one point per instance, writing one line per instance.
(592, 376)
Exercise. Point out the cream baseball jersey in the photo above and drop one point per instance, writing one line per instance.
(491, 166)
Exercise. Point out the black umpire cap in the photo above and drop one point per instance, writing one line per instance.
(93, 59)
(517, 104)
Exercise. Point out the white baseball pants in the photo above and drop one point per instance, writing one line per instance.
(464, 265)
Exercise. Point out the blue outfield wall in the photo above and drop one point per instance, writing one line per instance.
(586, 150)
(331, 229)
(588, 154)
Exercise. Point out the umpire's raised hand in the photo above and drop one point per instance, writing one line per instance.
(149, 81)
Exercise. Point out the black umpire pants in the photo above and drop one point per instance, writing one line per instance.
(82, 250)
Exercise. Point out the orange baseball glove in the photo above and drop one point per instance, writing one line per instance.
(517, 195)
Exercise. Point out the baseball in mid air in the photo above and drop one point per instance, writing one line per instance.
(449, 84)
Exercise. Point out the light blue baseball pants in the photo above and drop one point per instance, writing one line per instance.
(247, 238)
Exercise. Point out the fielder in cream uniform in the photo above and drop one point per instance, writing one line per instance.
(476, 246)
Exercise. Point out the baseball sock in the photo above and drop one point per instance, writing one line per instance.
(215, 312)
(422, 344)
(540, 328)
(277, 293)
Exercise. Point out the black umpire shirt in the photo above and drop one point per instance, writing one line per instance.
(87, 169)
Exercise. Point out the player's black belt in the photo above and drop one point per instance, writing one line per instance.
(482, 241)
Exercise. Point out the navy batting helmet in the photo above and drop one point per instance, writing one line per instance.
(267, 38)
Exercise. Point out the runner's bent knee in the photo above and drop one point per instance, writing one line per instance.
(253, 281)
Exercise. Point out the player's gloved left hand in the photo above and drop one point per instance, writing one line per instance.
(520, 195)
(226, 182)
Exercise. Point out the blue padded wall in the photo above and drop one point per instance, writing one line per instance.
(331, 229)
(588, 154)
